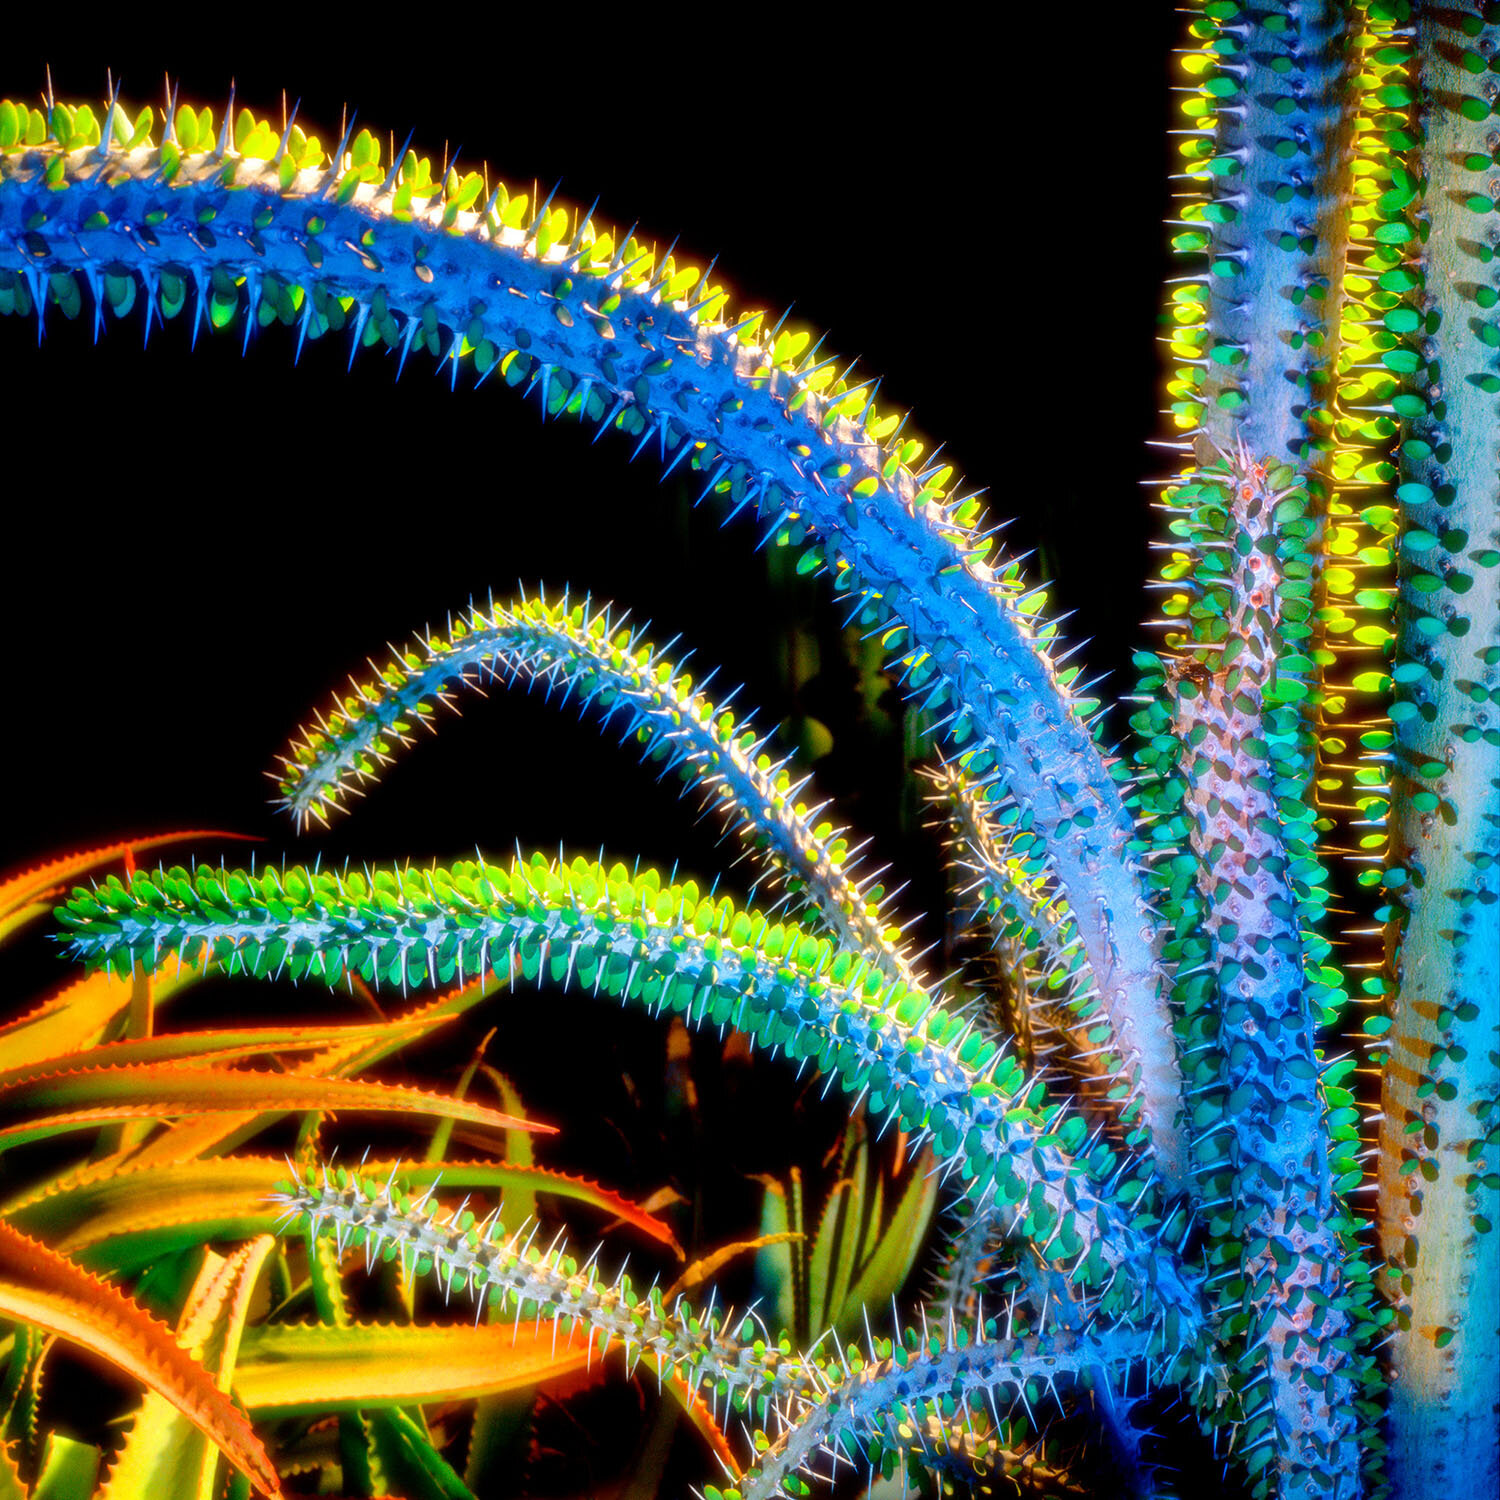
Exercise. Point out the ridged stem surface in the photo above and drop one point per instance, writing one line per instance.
(1440, 1133)
(1295, 1298)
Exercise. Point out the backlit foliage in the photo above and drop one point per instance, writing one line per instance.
(1143, 1115)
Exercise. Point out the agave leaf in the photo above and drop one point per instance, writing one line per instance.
(139, 1022)
(358, 1460)
(424, 1015)
(41, 1287)
(885, 1272)
(193, 1138)
(707, 1265)
(358, 1467)
(135, 1092)
(27, 1344)
(853, 1218)
(163, 1452)
(11, 1487)
(496, 1438)
(520, 1203)
(442, 1136)
(874, 1219)
(43, 883)
(819, 1249)
(79, 1016)
(137, 1234)
(833, 1239)
(14, 921)
(219, 1046)
(307, 1369)
(21, 1390)
(504, 1177)
(778, 1264)
(314, 1451)
(68, 1469)
(565, 1386)
(701, 1416)
(409, 1458)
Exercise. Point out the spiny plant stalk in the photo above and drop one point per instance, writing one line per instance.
(1440, 1086)
(1172, 913)
(596, 324)
(666, 947)
(581, 649)
(1276, 1165)
(815, 1398)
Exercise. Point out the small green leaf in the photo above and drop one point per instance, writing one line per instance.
(187, 129)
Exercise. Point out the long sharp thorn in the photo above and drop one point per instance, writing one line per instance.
(388, 185)
(226, 130)
(336, 161)
(101, 153)
(411, 329)
(359, 328)
(541, 213)
(286, 132)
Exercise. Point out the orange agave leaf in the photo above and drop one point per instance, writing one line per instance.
(506, 1175)
(706, 1265)
(591, 1375)
(190, 1139)
(79, 1015)
(422, 1016)
(65, 1469)
(572, 1382)
(41, 1287)
(88, 1095)
(118, 1217)
(220, 1046)
(699, 1414)
(69, 1021)
(163, 1453)
(301, 1369)
(11, 1487)
(437, 1147)
(14, 921)
(46, 881)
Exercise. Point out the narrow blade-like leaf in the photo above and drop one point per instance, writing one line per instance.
(41, 1287)
(88, 1095)
(305, 1369)
(163, 1453)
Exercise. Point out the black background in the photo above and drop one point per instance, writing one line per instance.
(199, 548)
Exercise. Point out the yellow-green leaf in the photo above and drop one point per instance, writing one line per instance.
(41, 1287)
(163, 1453)
(299, 1369)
